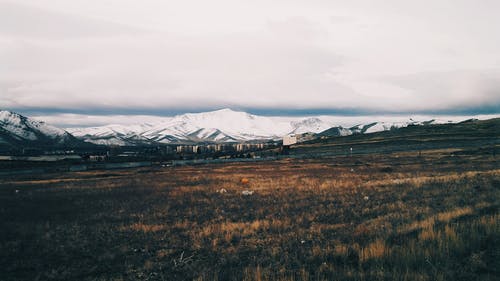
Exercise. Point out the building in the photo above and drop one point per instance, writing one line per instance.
(289, 140)
(97, 158)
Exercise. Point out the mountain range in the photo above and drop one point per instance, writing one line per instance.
(220, 126)
(227, 125)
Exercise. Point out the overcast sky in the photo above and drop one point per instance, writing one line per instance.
(160, 57)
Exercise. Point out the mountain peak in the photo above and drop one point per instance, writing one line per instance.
(227, 109)
(18, 130)
(6, 115)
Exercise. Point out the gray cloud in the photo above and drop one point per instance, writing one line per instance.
(459, 88)
(393, 56)
(31, 22)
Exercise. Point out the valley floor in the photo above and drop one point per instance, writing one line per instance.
(426, 215)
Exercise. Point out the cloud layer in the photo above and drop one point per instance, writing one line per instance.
(399, 56)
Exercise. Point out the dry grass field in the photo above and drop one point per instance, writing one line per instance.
(432, 215)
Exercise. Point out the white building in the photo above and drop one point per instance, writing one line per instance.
(289, 140)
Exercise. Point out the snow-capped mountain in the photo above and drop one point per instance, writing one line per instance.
(18, 131)
(113, 134)
(226, 125)
(214, 135)
(221, 125)
(374, 127)
(338, 132)
(310, 125)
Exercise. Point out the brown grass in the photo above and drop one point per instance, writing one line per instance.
(361, 218)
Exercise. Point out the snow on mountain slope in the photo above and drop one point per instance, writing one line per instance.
(373, 127)
(216, 126)
(16, 129)
(310, 125)
(25, 128)
(337, 132)
(385, 126)
(112, 134)
(226, 125)
(237, 125)
(122, 130)
(214, 135)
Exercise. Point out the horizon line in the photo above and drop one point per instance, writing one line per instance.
(285, 112)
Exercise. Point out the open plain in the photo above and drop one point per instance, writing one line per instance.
(425, 214)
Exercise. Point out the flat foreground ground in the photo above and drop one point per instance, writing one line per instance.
(432, 215)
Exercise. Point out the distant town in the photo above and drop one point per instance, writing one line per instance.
(38, 159)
